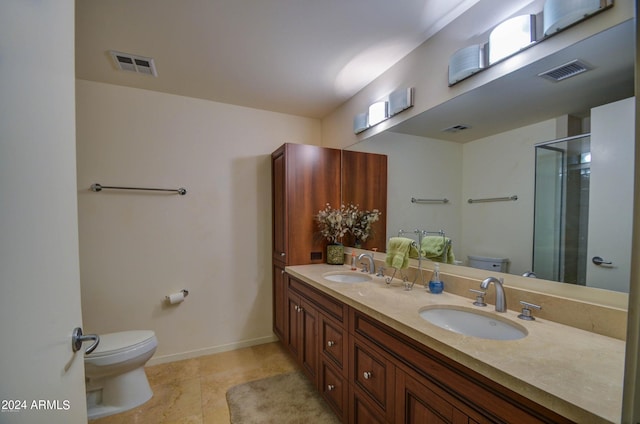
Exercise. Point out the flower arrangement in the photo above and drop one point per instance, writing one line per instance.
(336, 223)
(362, 226)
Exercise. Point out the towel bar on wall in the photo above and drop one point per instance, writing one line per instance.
(98, 187)
(414, 200)
(494, 199)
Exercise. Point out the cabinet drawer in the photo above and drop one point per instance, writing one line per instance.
(373, 374)
(334, 342)
(334, 389)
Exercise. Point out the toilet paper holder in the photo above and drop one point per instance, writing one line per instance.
(181, 295)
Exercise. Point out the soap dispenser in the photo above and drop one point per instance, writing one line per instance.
(436, 285)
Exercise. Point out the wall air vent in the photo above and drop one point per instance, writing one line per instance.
(456, 128)
(565, 71)
(133, 63)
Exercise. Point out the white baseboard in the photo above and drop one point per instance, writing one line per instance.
(210, 350)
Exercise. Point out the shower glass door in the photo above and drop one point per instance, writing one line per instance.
(561, 213)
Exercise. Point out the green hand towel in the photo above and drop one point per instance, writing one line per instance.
(433, 247)
(398, 252)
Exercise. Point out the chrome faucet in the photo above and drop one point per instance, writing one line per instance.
(501, 301)
(372, 265)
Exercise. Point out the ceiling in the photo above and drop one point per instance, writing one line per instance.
(300, 57)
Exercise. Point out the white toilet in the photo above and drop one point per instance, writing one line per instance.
(114, 372)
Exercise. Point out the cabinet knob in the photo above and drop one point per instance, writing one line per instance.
(331, 343)
(282, 254)
(330, 387)
(367, 375)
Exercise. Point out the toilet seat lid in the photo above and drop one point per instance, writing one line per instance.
(123, 340)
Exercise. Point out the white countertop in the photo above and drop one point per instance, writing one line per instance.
(573, 372)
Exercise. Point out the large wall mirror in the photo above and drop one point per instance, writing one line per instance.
(482, 145)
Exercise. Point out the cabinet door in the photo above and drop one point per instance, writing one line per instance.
(309, 351)
(292, 326)
(422, 405)
(278, 190)
(364, 183)
(279, 301)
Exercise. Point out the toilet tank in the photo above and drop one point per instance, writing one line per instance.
(492, 264)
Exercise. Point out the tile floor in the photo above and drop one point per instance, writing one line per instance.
(193, 391)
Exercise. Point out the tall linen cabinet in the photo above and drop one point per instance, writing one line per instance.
(304, 179)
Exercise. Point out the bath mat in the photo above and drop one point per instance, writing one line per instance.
(285, 398)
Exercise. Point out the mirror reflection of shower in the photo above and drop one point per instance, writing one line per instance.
(561, 212)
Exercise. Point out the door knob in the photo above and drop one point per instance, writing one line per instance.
(77, 338)
(599, 261)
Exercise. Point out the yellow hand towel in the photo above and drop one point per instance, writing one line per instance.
(398, 252)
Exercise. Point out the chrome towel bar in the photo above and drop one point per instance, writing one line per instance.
(494, 199)
(414, 200)
(98, 187)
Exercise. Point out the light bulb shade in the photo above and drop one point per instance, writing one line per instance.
(465, 62)
(559, 14)
(378, 112)
(360, 123)
(511, 36)
(400, 100)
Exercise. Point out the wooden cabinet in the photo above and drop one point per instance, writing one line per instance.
(302, 333)
(304, 179)
(370, 373)
(316, 335)
(431, 388)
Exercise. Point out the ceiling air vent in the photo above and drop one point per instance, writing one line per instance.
(133, 63)
(565, 71)
(456, 128)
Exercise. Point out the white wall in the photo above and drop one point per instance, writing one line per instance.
(135, 248)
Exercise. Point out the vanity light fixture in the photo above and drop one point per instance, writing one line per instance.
(378, 112)
(559, 14)
(511, 36)
(394, 103)
(360, 123)
(466, 62)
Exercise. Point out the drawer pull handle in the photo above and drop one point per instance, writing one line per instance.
(367, 375)
(330, 387)
(331, 343)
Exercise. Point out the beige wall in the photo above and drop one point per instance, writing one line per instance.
(135, 248)
(499, 166)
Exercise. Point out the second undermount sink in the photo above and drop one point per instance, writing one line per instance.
(472, 323)
(346, 277)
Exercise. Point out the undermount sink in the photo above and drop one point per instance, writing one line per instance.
(472, 323)
(346, 277)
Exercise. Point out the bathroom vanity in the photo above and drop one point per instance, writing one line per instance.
(375, 360)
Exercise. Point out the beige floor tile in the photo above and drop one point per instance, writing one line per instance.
(193, 391)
